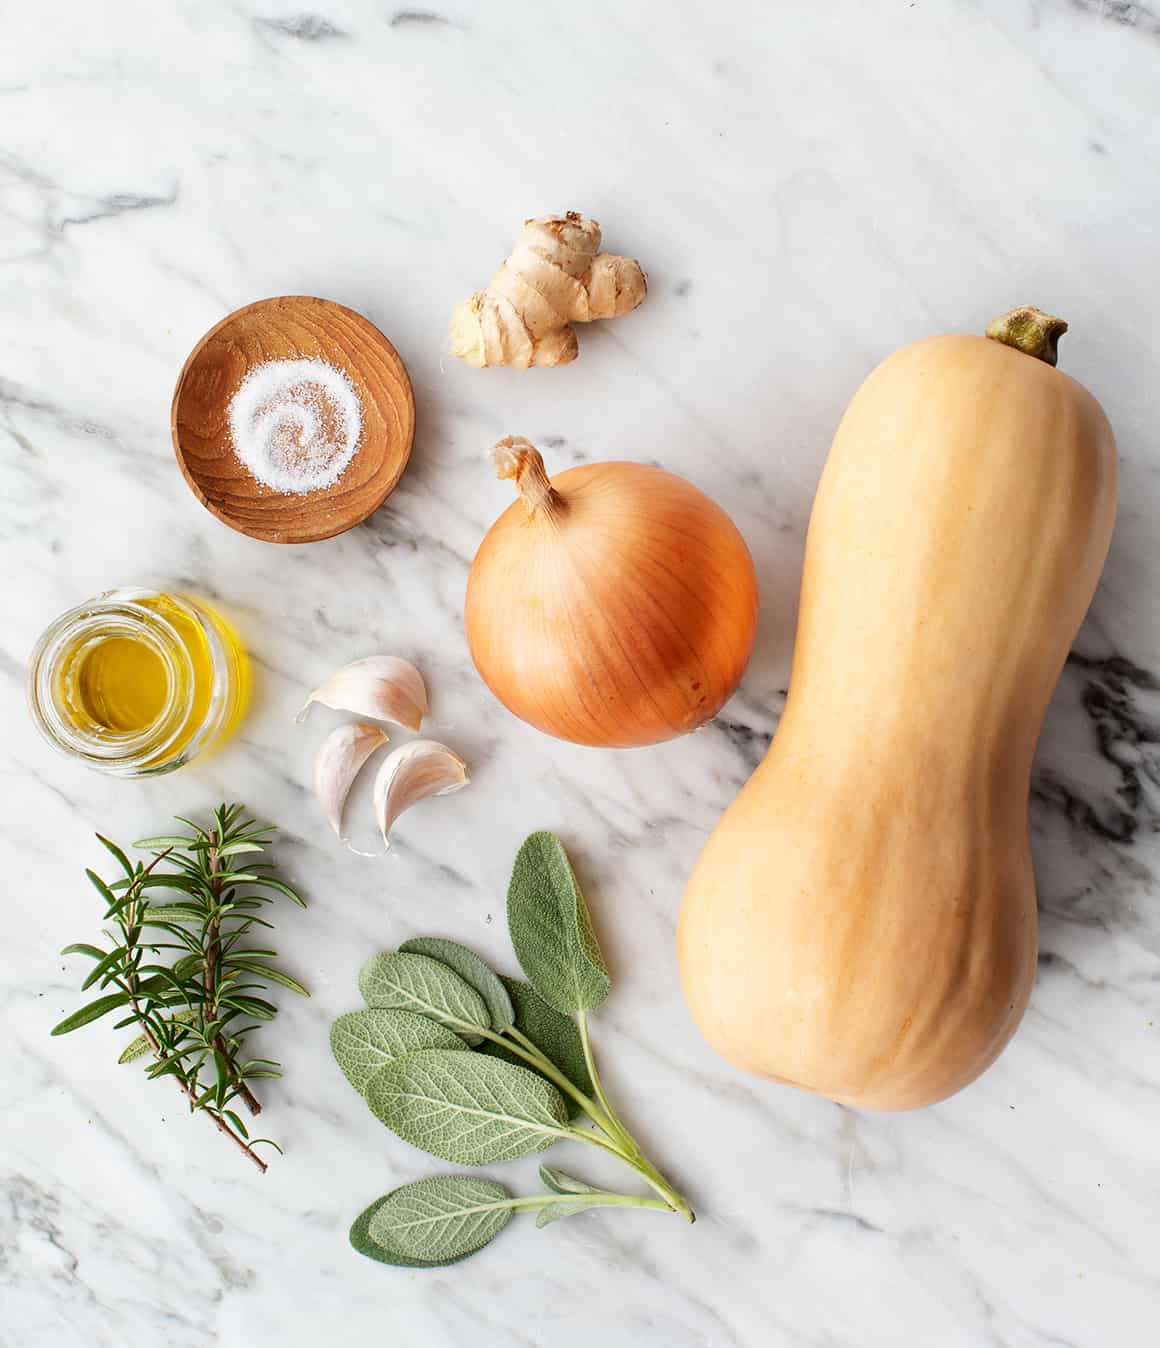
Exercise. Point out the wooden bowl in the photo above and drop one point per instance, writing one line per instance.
(292, 327)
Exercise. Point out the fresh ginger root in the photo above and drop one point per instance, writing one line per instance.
(553, 278)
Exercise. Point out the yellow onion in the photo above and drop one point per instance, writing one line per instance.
(613, 604)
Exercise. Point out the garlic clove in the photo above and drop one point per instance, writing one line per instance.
(338, 762)
(381, 686)
(411, 773)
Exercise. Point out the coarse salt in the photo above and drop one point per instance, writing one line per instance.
(296, 424)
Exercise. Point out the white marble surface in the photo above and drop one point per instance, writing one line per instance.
(809, 186)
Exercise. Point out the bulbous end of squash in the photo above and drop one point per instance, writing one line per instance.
(1029, 330)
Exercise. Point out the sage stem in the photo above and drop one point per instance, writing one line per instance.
(636, 1161)
(589, 1201)
(598, 1086)
(534, 1058)
(617, 1139)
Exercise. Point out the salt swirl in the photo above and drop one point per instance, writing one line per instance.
(296, 424)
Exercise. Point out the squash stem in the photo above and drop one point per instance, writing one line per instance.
(1029, 330)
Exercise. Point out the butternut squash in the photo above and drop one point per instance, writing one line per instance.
(862, 922)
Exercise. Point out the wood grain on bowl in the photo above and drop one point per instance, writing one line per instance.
(292, 327)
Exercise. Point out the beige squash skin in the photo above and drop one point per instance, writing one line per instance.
(862, 923)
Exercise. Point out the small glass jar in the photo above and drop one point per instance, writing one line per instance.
(137, 682)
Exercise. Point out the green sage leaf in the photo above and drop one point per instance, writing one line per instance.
(441, 1218)
(552, 930)
(467, 964)
(587, 1196)
(560, 1182)
(402, 982)
(467, 1108)
(552, 1212)
(364, 1041)
(361, 1240)
(553, 1033)
(93, 1011)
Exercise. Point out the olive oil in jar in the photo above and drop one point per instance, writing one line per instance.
(138, 681)
(119, 685)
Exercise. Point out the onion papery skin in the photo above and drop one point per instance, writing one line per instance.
(624, 617)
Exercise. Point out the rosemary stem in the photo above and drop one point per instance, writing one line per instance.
(186, 1087)
(213, 956)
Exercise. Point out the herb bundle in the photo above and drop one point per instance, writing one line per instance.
(529, 1083)
(195, 1012)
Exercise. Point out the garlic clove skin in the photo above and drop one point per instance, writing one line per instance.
(412, 773)
(381, 686)
(338, 762)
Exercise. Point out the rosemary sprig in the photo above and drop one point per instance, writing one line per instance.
(196, 1007)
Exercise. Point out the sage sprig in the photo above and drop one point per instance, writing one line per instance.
(551, 929)
(554, 1034)
(532, 1080)
(196, 1011)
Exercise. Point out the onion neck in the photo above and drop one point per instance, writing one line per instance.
(519, 460)
(1031, 331)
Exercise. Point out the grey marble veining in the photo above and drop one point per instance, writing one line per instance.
(808, 187)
